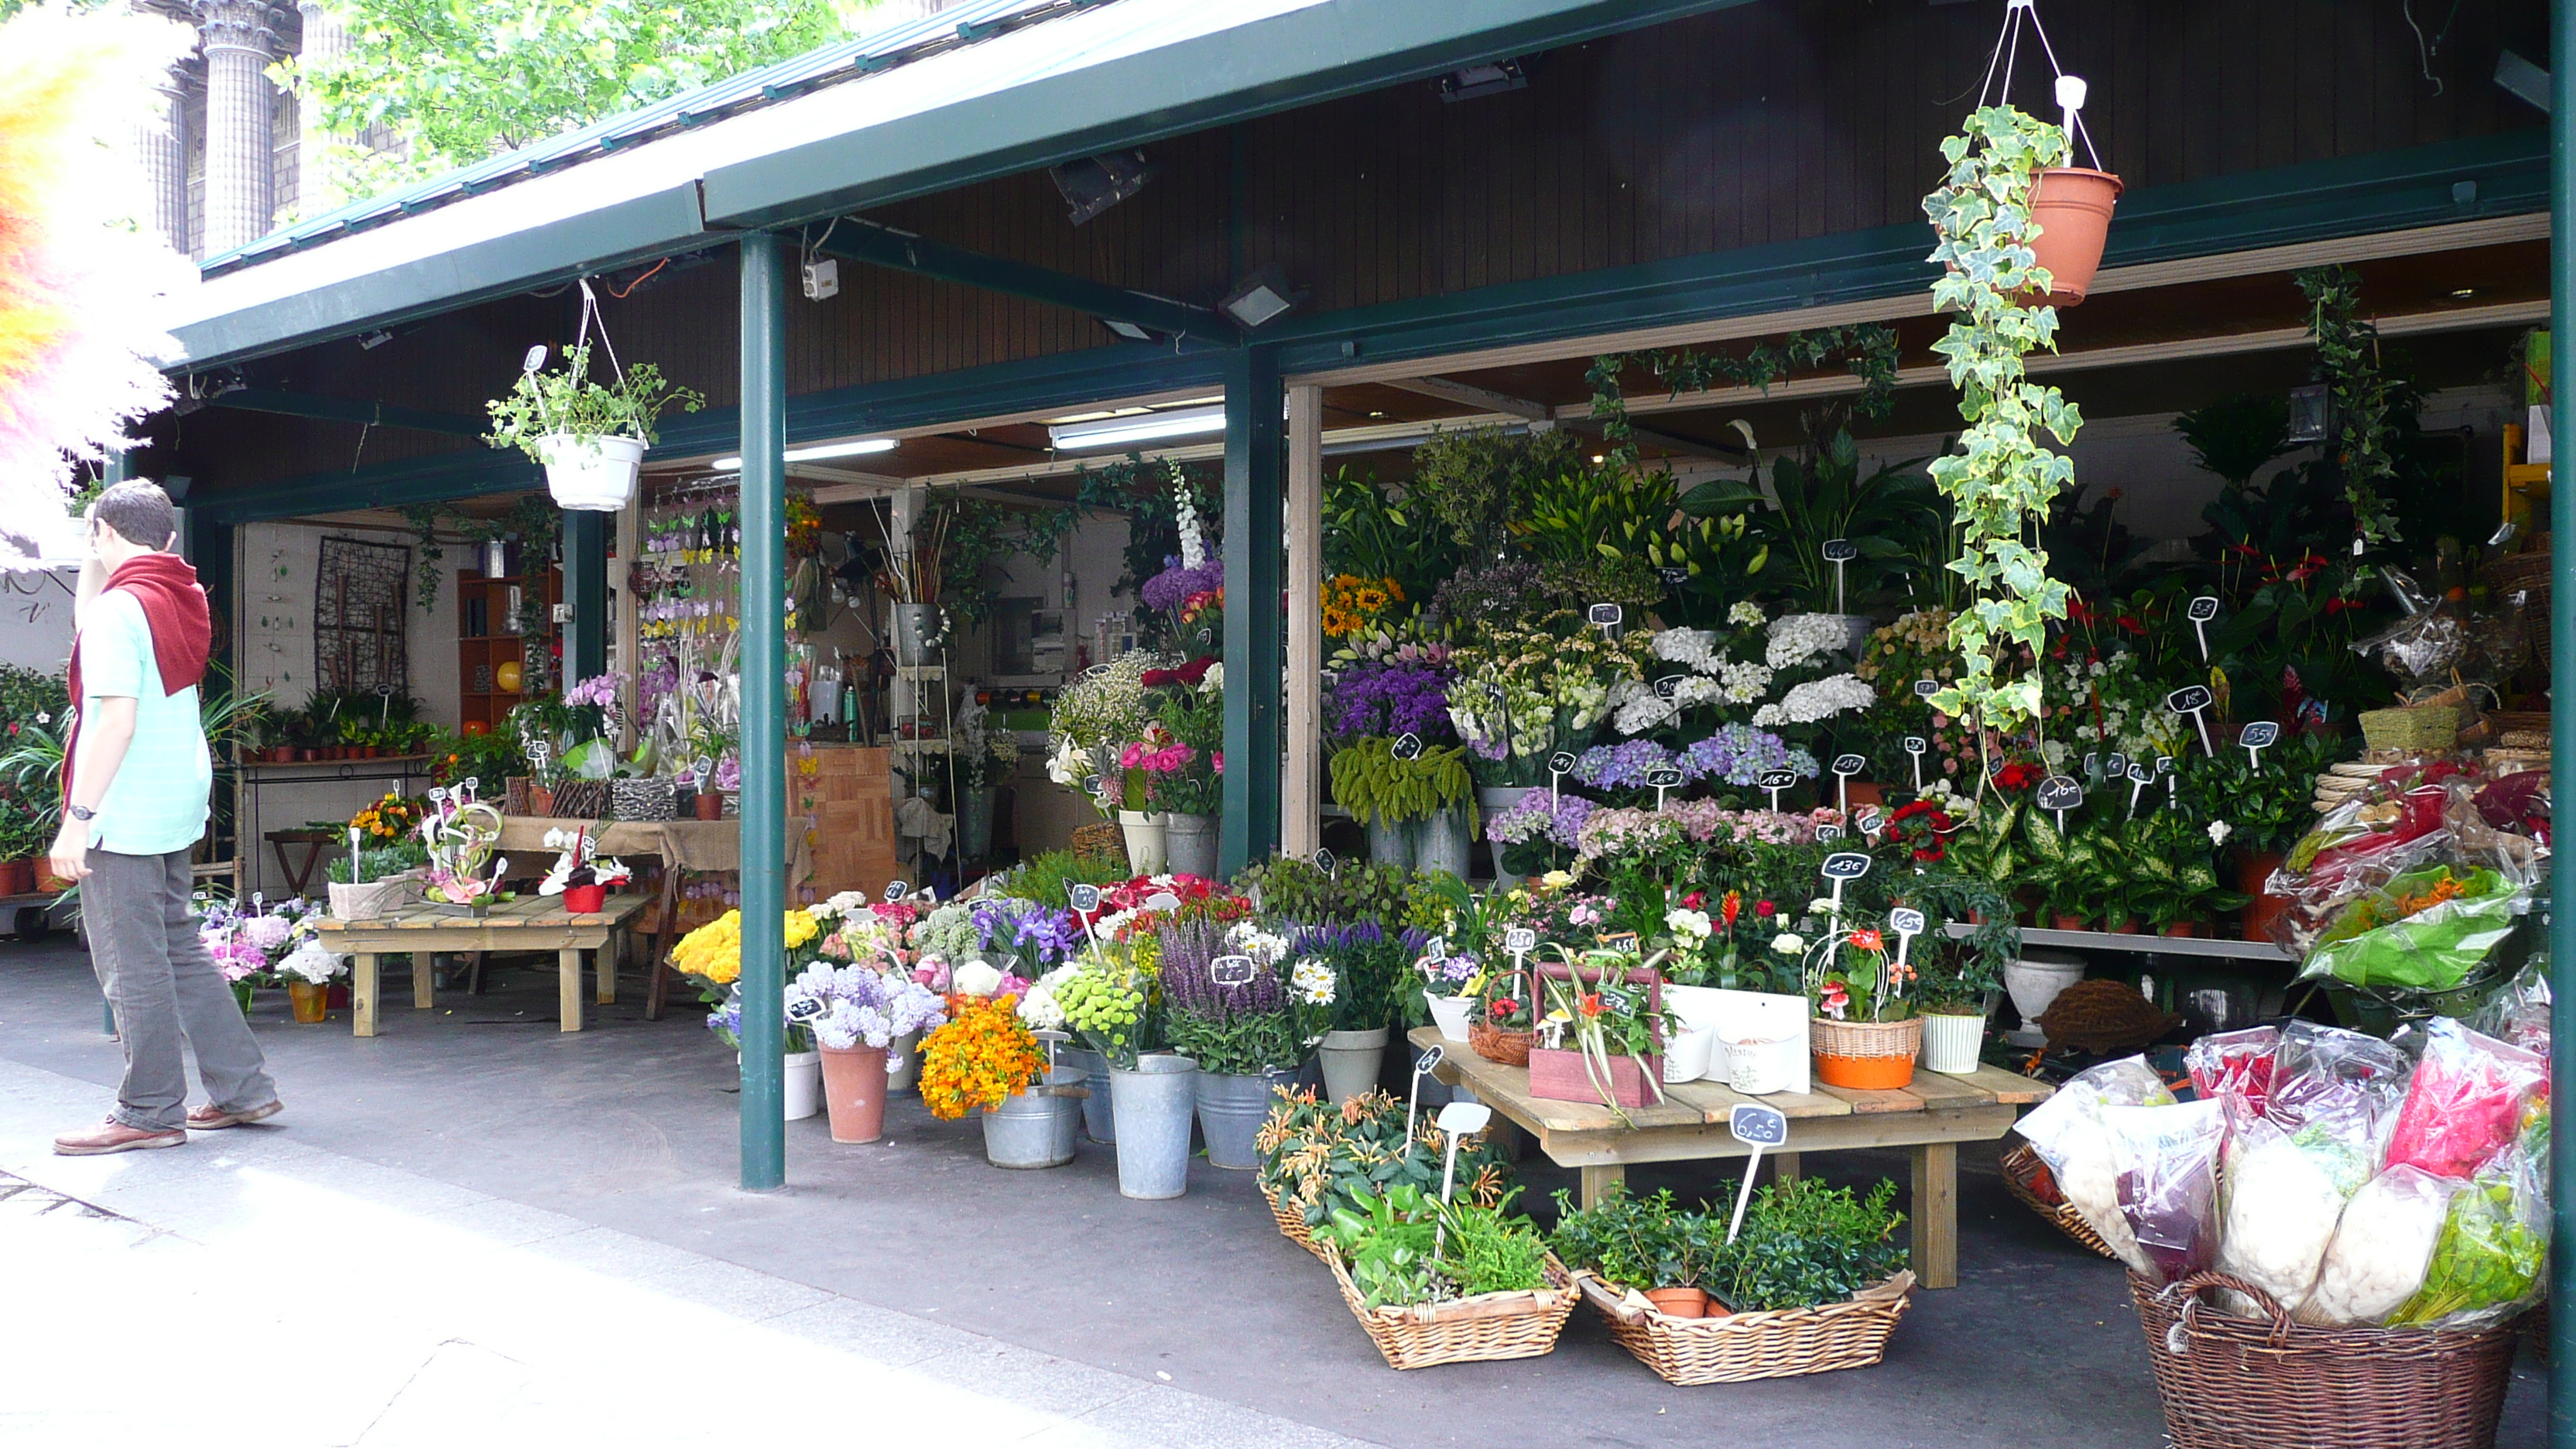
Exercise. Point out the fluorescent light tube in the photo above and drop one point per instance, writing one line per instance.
(1112, 432)
(817, 452)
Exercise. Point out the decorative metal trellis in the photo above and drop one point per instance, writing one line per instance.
(358, 616)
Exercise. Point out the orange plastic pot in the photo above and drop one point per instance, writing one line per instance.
(310, 1000)
(2252, 871)
(1679, 1302)
(2072, 205)
(17, 877)
(854, 1092)
(1869, 1074)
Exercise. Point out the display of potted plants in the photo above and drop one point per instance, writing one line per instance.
(1864, 1032)
(1182, 760)
(590, 436)
(1417, 801)
(580, 874)
(1359, 968)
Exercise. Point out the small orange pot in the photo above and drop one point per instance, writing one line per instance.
(2065, 922)
(2252, 872)
(17, 877)
(2125, 926)
(309, 998)
(541, 801)
(709, 804)
(2072, 205)
(1679, 1302)
(1868, 1074)
(2181, 929)
(47, 882)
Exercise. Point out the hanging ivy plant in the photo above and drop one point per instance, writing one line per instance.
(1868, 349)
(2001, 481)
(533, 520)
(2349, 348)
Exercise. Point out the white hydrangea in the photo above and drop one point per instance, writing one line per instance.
(1799, 638)
(1820, 700)
(1746, 613)
(1694, 647)
(1742, 681)
(1635, 709)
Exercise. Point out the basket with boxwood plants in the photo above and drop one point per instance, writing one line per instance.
(1639, 1242)
(1803, 1243)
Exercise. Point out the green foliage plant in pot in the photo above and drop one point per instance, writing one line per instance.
(1956, 979)
(590, 435)
(1389, 795)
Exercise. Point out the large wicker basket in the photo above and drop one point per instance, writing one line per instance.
(1481, 1329)
(1511, 1048)
(2267, 1383)
(1292, 1223)
(1737, 1347)
(2022, 1167)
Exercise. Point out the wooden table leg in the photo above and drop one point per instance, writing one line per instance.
(424, 979)
(1936, 1214)
(362, 995)
(607, 957)
(1784, 1166)
(665, 921)
(568, 965)
(1599, 1181)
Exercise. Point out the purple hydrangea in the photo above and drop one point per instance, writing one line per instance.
(1173, 586)
(1536, 817)
(1739, 753)
(1383, 699)
(1622, 766)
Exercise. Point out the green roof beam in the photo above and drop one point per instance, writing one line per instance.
(880, 246)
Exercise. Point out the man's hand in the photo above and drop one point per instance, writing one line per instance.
(70, 855)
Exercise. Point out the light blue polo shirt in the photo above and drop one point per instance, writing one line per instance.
(157, 802)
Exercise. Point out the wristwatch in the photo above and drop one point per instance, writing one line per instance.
(81, 812)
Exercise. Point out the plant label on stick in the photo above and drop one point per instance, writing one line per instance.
(2200, 611)
(2173, 778)
(1839, 867)
(1605, 617)
(1085, 898)
(1917, 746)
(1233, 971)
(1829, 832)
(2193, 700)
(1457, 1120)
(2115, 766)
(1408, 746)
(1559, 765)
(2257, 737)
(1520, 940)
(896, 890)
(2059, 794)
(1846, 766)
(2093, 766)
(2141, 775)
(1776, 781)
(806, 1008)
(1907, 923)
(535, 358)
(1757, 1127)
(1663, 777)
(1668, 686)
(1869, 819)
(1614, 998)
(1324, 861)
(1838, 552)
(1436, 949)
(1926, 688)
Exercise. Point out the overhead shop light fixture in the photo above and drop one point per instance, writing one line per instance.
(1094, 184)
(1262, 297)
(1483, 80)
(1139, 428)
(819, 452)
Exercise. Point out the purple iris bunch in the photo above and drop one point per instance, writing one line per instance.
(1622, 766)
(1172, 587)
(1040, 936)
(1536, 817)
(1739, 753)
(1390, 699)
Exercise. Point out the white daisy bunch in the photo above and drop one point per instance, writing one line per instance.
(1945, 797)
(1799, 638)
(1266, 948)
(1820, 700)
(1313, 981)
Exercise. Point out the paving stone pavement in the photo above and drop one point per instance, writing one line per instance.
(247, 1290)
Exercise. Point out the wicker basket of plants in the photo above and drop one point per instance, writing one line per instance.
(1814, 1281)
(1434, 1283)
(1316, 1156)
(2028, 1179)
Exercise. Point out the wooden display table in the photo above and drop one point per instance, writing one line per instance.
(1932, 1116)
(530, 923)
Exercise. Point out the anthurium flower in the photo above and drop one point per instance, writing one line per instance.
(1868, 940)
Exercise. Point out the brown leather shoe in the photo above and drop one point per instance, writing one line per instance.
(210, 1117)
(114, 1137)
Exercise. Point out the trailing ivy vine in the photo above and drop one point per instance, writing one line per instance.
(2348, 346)
(2001, 481)
(1868, 349)
(534, 520)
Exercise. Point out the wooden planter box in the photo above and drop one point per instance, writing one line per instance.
(1559, 1074)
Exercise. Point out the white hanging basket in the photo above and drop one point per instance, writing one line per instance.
(595, 475)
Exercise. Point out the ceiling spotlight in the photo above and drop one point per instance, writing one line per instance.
(1126, 329)
(1483, 80)
(1141, 427)
(1094, 184)
(373, 340)
(819, 451)
(1262, 297)
(2464, 291)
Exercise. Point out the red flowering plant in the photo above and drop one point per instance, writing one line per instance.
(1851, 973)
(1922, 829)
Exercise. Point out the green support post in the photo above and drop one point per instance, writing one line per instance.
(1256, 465)
(585, 553)
(2562, 736)
(763, 662)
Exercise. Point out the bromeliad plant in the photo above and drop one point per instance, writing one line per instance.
(2001, 481)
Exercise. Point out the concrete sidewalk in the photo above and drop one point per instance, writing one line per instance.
(246, 1290)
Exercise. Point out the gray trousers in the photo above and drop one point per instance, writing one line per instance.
(164, 987)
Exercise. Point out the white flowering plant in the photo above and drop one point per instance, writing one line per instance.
(1519, 695)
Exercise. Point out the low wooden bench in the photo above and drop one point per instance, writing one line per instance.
(530, 923)
(1932, 1117)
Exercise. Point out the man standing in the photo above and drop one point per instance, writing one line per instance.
(135, 785)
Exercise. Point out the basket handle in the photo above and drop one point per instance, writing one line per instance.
(2190, 1289)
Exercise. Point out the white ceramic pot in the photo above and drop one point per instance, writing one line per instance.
(591, 475)
(1145, 853)
(2034, 981)
(1686, 1054)
(1450, 1014)
(1759, 1068)
(1951, 1042)
(804, 1085)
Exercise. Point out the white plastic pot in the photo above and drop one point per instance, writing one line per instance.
(804, 1085)
(1686, 1054)
(1451, 1014)
(1145, 848)
(591, 475)
(1950, 1042)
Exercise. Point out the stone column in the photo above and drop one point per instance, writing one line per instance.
(325, 40)
(161, 155)
(240, 146)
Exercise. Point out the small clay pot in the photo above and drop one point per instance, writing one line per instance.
(709, 804)
(2181, 929)
(2064, 922)
(2125, 926)
(1679, 1302)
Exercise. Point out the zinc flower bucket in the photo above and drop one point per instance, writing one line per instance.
(1231, 1110)
(591, 475)
(1154, 1108)
(1030, 1130)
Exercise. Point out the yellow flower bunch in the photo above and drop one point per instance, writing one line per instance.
(388, 819)
(1351, 603)
(982, 1058)
(713, 952)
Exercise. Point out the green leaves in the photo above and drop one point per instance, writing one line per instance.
(2349, 348)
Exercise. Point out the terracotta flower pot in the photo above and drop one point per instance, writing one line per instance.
(2252, 871)
(17, 877)
(48, 883)
(2064, 922)
(1865, 792)
(2181, 929)
(2072, 205)
(541, 801)
(309, 998)
(708, 804)
(854, 1092)
(1679, 1302)
(2125, 926)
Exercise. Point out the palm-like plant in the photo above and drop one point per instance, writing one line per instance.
(1893, 516)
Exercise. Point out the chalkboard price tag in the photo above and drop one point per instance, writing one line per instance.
(1562, 762)
(896, 890)
(1926, 688)
(1408, 746)
(2164, 764)
(1664, 777)
(1916, 745)
(1086, 898)
(1839, 550)
(1778, 779)
(1437, 948)
(1606, 616)
(2115, 765)
(1616, 999)
(534, 359)
(1668, 686)
(1847, 765)
(1323, 860)
(1905, 921)
(1520, 940)
(1432, 1056)
(2140, 772)
(806, 1008)
(1091, 784)
(2189, 698)
(1673, 577)
(1829, 832)
(1755, 1125)
(2061, 792)
(2262, 734)
(1846, 865)
(1233, 971)
(2202, 609)
(1868, 819)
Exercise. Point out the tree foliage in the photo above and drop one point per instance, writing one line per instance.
(464, 79)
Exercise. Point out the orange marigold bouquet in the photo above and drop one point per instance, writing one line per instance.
(982, 1058)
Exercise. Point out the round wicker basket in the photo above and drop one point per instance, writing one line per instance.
(1511, 1048)
(2022, 1167)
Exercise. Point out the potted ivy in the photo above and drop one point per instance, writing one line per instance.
(1417, 801)
(590, 436)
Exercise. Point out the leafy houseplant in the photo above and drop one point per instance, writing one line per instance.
(590, 435)
(2001, 480)
(1806, 1243)
(1371, 783)
(1640, 1242)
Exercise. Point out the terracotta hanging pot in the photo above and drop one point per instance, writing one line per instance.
(2072, 205)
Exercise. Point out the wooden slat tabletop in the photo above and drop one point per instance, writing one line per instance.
(529, 912)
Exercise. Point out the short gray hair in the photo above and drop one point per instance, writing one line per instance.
(139, 512)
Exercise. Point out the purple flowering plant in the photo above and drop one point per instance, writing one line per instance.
(1390, 700)
(1622, 766)
(1039, 935)
(1739, 753)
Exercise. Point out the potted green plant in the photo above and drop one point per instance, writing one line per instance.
(360, 889)
(1417, 801)
(2266, 805)
(1230, 1013)
(1863, 1031)
(1668, 1253)
(1351, 971)
(1956, 978)
(590, 436)
(1185, 772)
(2172, 884)
(1601, 1035)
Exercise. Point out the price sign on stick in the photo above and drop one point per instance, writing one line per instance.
(1408, 746)
(1663, 777)
(1668, 686)
(535, 358)
(2141, 775)
(1437, 948)
(806, 1008)
(1605, 617)
(1926, 688)
(1846, 766)
(1839, 867)
(2257, 737)
(1838, 552)
(1085, 898)
(1868, 819)
(1917, 746)
(1559, 765)
(1829, 832)
(1233, 971)
(2193, 700)
(2200, 611)
(1757, 1127)
(1673, 577)
(2093, 766)
(2059, 794)
(1458, 1119)
(1776, 781)
(1432, 1056)
(2115, 765)
(2173, 778)
(1324, 861)
(1520, 940)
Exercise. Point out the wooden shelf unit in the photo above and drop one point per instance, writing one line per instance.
(474, 652)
